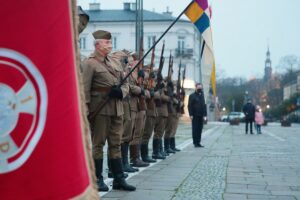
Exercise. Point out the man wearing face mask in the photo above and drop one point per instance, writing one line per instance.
(101, 74)
(197, 111)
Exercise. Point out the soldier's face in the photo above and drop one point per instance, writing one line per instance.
(83, 21)
(131, 61)
(104, 46)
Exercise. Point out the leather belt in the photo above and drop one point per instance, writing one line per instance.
(102, 89)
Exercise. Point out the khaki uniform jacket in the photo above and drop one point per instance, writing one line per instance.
(152, 110)
(173, 104)
(104, 73)
(134, 92)
(163, 110)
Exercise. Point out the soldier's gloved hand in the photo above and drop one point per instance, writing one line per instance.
(116, 92)
(162, 85)
(141, 73)
(152, 92)
(152, 75)
(142, 92)
(170, 84)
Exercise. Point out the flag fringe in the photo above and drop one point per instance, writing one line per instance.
(91, 191)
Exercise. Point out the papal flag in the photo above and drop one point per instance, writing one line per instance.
(42, 146)
(199, 13)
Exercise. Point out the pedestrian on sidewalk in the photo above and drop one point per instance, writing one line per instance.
(198, 113)
(259, 119)
(249, 111)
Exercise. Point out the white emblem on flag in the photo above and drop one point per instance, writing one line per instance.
(23, 108)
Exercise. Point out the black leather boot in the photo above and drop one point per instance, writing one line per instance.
(119, 182)
(156, 150)
(100, 183)
(135, 157)
(167, 146)
(126, 166)
(173, 144)
(144, 154)
(109, 173)
(161, 148)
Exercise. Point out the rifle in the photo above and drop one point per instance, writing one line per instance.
(161, 65)
(182, 90)
(170, 87)
(159, 75)
(151, 78)
(178, 87)
(170, 70)
(140, 80)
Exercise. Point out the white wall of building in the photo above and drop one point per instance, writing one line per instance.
(123, 37)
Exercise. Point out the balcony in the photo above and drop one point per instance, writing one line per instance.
(185, 53)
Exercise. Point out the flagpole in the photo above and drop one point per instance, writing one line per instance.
(149, 50)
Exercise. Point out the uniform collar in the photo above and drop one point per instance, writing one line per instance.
(97, 56)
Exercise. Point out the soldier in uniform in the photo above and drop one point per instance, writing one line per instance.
(172, 120)
(151, 114)
(135, 144)
(160, 122)
(174, 125)
(102, 73)
(130, 105)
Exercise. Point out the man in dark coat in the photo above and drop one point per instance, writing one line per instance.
(197, 111)
(249, 111)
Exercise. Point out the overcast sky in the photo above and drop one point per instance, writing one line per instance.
(242, 30)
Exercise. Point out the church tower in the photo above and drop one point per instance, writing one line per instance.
(268, 67)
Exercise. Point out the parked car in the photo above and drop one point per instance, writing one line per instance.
(236, 115)
(224, 118)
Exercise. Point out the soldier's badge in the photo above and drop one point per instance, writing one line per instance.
(23, 108)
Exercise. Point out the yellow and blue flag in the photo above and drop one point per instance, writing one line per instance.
(199, 13)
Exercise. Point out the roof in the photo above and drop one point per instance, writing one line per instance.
(127, 16)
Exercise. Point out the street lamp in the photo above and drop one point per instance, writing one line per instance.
(224, 109)
(268, 106)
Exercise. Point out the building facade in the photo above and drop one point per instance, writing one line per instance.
(183, 39)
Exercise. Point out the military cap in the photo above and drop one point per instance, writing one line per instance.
(101, 34)
(81, 12)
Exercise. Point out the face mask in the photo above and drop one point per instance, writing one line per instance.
(199, 90)
(106, 48)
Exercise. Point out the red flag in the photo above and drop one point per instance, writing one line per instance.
(41, 142)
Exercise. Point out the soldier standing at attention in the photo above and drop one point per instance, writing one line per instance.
(151, 115)
(140, 106)
(172, 120)
(102, 73)
(160, 122)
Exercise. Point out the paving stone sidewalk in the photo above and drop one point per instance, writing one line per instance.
(232, 166)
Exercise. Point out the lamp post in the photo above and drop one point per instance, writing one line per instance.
(246, 97)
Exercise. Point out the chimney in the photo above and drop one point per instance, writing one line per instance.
(167, 12)
(94, 6)
(126, 6)
(133, 6)
(129, 6)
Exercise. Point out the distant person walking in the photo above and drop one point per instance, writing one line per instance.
(259, 119)
(249, 111)
(197, 111)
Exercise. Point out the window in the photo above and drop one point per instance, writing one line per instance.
(151, 40)
(114, 42)
(82, 43)
(181, 44)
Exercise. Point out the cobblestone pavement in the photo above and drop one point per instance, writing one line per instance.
(232, 166)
